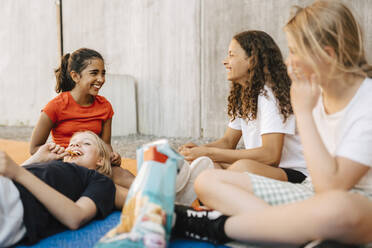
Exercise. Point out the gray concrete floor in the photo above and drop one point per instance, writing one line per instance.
(125, 145)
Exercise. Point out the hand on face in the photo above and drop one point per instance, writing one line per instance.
(115, 158)
(304, 91)
(50, 151)
(190, 154)
(8, 168)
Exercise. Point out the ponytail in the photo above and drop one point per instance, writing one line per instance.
(64, 81)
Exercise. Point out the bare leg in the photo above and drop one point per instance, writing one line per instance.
(221, 165)
(122, 177)
(341, 216)
(247, 165)
(227, 192)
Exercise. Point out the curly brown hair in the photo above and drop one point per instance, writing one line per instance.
(267, 68)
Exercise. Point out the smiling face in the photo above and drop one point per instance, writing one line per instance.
(92, 78)
(83, 150)
(236, 63)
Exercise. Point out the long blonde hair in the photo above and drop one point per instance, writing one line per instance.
(104, 153)
(329, 23)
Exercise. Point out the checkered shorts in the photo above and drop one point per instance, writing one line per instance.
(276, 192)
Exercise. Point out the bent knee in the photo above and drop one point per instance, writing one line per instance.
(205, 182)
(244, 165)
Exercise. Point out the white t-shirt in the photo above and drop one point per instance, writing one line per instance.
(348, 133)
(269, 120)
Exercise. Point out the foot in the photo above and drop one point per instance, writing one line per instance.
(200, 224)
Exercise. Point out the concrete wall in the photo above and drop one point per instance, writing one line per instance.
(29, 53)
(173, 49)
(158, 43)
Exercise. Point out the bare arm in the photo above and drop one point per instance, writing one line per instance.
(223, 150)
(106, 132)
(41, 132)
(327, 172)
(71, 214)
(269, 153)
(46, 152)
(106, 136)
(229, 141)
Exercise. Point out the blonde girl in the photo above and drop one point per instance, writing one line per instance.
(47, 196)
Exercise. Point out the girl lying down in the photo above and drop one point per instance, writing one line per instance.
(47, 195)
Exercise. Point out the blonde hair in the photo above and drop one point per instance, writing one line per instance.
(104, 153)
(329, 23)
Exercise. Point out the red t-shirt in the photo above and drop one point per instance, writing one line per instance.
(70, 117)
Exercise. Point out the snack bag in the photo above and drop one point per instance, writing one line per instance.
(146, 218)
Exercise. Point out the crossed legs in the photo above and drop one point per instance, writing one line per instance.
(337, 215)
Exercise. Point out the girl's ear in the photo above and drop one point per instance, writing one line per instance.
(330, 51)
(75, 76)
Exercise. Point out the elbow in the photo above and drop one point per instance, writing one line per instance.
(76, 223)
(273, 158)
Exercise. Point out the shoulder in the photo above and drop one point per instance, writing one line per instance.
(267, 98)
(362, 101)
(60, 99)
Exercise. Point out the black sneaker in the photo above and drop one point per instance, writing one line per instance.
(200, 224)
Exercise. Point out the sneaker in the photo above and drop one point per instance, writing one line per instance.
(200, 224)
(186, 195)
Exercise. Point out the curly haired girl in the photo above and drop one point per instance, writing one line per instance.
(259, 109)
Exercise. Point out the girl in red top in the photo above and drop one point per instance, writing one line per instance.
(78, 107)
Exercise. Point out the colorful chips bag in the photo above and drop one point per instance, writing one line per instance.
(146, 218)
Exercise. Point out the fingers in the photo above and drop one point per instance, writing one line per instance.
(62, 155)
(54, 148)
(186, 146)
(115, 158)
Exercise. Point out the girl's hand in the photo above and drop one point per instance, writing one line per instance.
(304, 92)
(8, 168)
(185, 146)
(54, 148)
(115, 158)
(190, 154)
(48, 152)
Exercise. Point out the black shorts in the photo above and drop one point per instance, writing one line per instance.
(294, 176)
